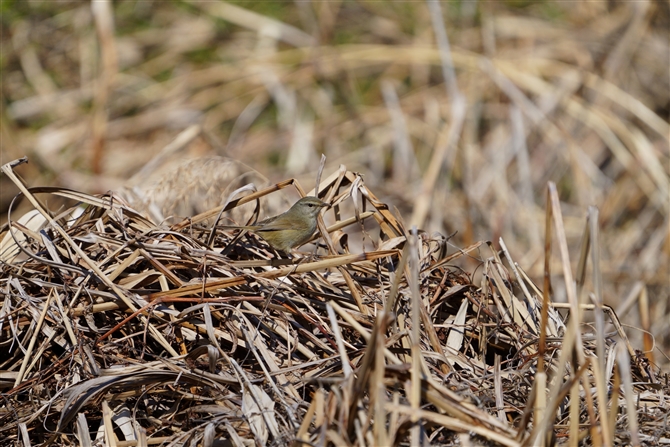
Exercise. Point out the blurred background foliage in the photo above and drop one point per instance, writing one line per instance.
(461, 135)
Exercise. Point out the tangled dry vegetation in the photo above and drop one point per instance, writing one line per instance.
(130, 333)
(460, 128)
(461, 134)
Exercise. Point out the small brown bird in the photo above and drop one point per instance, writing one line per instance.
(292, 228)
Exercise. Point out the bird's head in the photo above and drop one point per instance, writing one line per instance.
(308, 206)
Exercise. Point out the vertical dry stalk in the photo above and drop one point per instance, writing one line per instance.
(104, 21)
(416, 374)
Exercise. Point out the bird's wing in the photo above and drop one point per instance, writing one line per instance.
(280, 223)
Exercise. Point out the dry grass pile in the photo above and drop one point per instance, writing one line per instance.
(116, 331)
